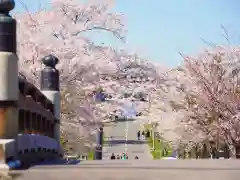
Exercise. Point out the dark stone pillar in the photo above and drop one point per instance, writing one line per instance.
(50, 88)
(8, 72)
(9, 88)
(99, 142)
(50, 75)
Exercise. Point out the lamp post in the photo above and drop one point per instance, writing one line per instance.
(99, 142)
(154, 135)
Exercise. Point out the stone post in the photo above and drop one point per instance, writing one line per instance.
(50, 88)
(9, 82)
(99, 142)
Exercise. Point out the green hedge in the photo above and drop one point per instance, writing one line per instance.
(91, 155)
(159, 145)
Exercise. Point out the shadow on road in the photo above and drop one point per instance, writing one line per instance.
(57, 162)
(108, 138)
(124, 120)
(118, 142)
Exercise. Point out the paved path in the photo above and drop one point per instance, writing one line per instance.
(124, 140)
(139, 170)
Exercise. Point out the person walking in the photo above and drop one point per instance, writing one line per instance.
(143, 135)
(147, 134)
(112, 157)
(110, 141)
(138, 135)
(124, 156)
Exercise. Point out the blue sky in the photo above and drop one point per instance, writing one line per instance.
(159, 29)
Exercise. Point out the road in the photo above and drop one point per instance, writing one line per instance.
(139, 170)
(124, 139)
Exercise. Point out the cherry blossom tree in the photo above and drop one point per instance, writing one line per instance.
(168, 107)
(216, 75)
(84, 66)
(60, 30)
(197, 103)
(65, 35)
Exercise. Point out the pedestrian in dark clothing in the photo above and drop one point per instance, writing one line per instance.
(113, 156)
(118, 157)
(110, 141)
(147, 134)
(138, 135)
(143, 135)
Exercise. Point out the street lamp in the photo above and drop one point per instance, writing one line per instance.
(154, 135)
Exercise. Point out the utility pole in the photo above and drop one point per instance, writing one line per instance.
(154, 135)
(153, 139)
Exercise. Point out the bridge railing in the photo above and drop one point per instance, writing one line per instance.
(29, 117)
(37, 123)
(36, 111)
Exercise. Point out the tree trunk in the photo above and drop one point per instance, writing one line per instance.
(214, 152)
(237, 151)
(226, 152)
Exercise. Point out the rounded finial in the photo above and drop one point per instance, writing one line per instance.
(50, 61)
(6, 6)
